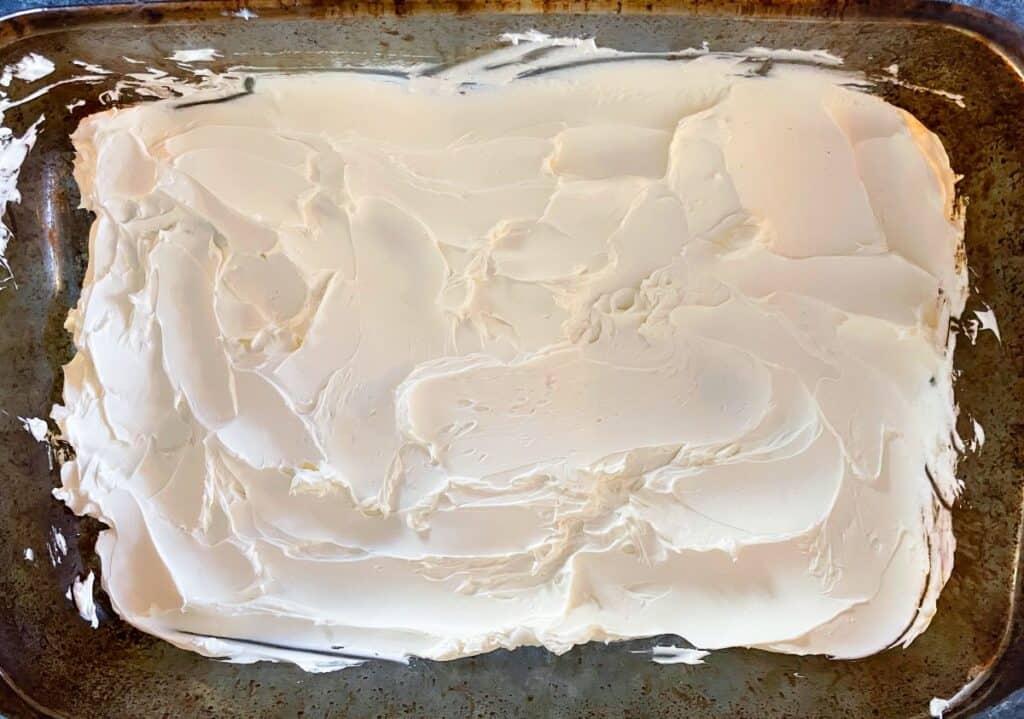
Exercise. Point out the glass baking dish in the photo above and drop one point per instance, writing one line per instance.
(64, 668)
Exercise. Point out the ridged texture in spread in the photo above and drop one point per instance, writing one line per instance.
(390, 367)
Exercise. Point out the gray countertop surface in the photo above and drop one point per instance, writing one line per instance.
(12, 707)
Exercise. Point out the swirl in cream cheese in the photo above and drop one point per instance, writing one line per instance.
(391, 367)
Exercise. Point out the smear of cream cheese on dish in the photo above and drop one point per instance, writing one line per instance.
(205, 54)
(36, 427)
(81, 595)
(676, 655)
(518, 354)
(30, 68)
(13, 150)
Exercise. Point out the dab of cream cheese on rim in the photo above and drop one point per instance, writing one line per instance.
(205, 54)
(535, 356)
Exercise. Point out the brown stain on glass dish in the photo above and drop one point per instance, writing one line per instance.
(67, 669)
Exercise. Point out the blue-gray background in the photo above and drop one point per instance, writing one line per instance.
(1012, 708)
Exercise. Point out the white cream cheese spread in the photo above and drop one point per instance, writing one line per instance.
(375, 366)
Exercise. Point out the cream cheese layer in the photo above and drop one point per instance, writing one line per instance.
(384, 367)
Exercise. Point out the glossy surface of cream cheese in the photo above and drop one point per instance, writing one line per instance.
(384, 367)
